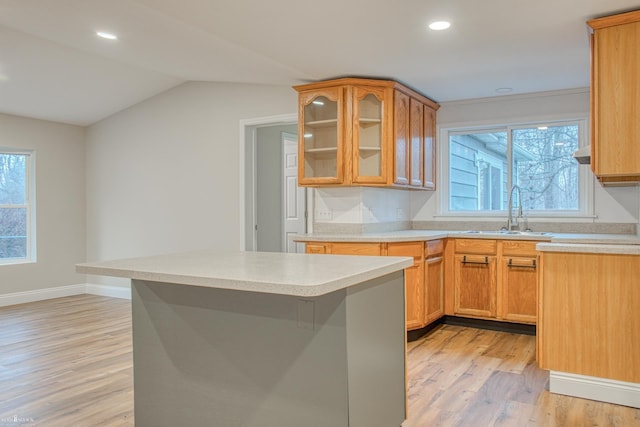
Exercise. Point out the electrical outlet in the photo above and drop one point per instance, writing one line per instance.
(400, 213)
(323, 214)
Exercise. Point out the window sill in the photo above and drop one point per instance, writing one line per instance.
(15, 261)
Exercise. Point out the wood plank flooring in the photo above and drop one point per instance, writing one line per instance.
(67, 362)
(461, 377)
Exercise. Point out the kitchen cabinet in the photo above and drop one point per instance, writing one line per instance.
(517, 290)
(494, 280)
(475, 277)
(321, 136)
(413, 281)
(371, 249)
(615, 98)
(416, 148)
(589, 322)
(312, 248)
(424, 280)
(363, 132)
(429, 180)
(433, 281)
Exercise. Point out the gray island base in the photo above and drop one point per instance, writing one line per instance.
(242, 357)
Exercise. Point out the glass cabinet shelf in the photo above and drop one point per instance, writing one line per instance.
(322, 123)
(321, 150)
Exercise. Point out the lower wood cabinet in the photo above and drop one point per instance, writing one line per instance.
(479, 278)
(495, 280)
(433, 281)
(475, 285)
(589, 314)
(518, 281)
(413, 281)
(424, 280)
(371, 249)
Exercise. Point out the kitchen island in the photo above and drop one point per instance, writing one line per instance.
(265, 339)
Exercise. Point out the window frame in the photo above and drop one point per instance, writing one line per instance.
(29, 205)
(585, 178)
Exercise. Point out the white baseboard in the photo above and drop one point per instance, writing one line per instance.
(593, 388)
(108, 291)
(41, 294)
(64, 291)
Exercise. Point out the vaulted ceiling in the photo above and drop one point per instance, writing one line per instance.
(52, 65)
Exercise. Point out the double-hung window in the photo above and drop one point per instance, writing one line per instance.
(17, 234)
(483, 164)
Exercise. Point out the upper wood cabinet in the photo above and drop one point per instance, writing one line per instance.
(365, 132)
(321, 136)
(615, 98)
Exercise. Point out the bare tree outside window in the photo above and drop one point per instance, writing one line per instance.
(542, 165)
(548, 180)
(13, 206)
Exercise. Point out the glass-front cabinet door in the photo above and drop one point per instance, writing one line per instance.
(370, 124)
(321, 137)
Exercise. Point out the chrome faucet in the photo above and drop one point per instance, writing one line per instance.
(511, 223)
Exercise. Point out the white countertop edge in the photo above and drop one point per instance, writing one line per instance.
(589, 248)
(348, 274)
(426, 235)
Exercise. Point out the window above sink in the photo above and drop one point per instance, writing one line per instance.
(481, 164)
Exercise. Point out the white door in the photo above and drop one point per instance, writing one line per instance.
(294, 196)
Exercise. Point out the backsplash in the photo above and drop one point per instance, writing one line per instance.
(556, 227)
(360, 205)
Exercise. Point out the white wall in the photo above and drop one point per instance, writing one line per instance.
(60, 203)
(163, 176)
(618, 205)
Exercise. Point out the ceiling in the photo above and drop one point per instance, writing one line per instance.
(53, 67)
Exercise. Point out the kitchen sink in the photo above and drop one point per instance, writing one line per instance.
(509, 232)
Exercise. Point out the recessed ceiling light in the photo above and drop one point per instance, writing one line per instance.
(106, 35)
(504, 89)
(439, 25)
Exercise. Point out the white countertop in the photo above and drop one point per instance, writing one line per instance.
(265, 272)
(413, 235)
(589, 248)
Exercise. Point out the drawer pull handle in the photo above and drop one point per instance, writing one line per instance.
(485, 262)
(511, 264)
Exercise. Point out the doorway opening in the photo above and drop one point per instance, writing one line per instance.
(273, 206)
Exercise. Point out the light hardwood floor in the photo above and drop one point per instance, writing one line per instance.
(67, 362)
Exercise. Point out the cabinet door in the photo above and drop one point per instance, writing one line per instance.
(413, 281)
(518, 299)
(434, 289)
(401, 134)
(475, 285)
(416, 133)
(321, 137)
(370, 136)
(414, 295)
(429, 179)
(616, 100)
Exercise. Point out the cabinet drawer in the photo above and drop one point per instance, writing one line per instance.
(434, 247)
(518, 248)
(414, 249)
(476, 246)
(356, 248)
(315, 248)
